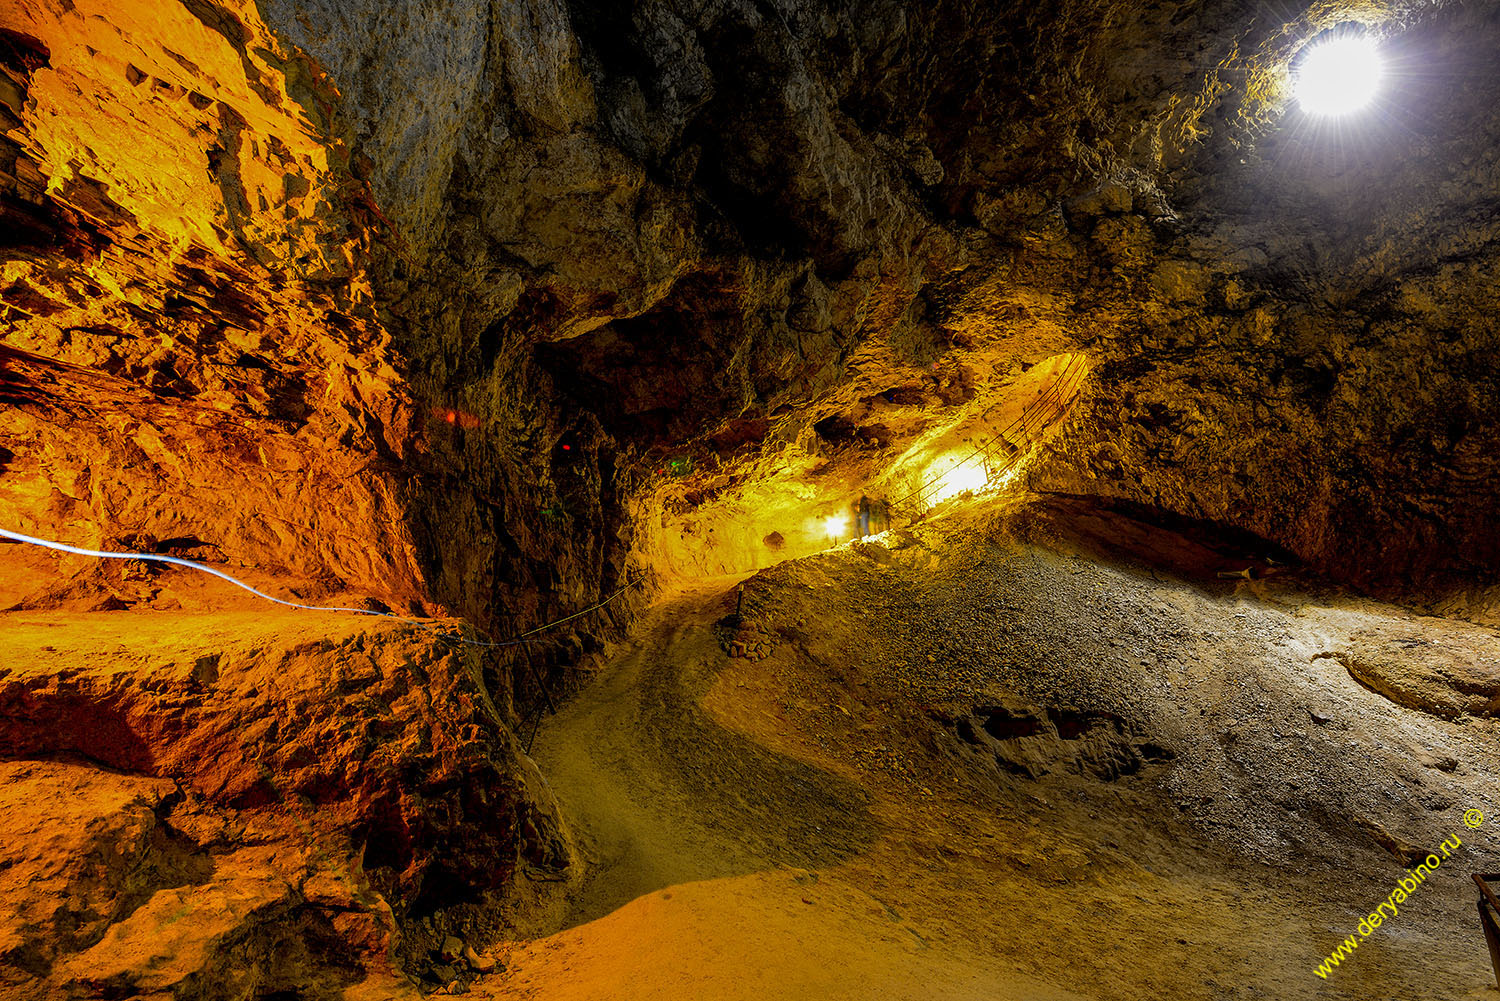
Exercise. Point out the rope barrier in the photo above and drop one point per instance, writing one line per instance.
(422, 623)
(1053, 397)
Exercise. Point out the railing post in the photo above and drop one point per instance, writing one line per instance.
(1489, 906)
(537, 676)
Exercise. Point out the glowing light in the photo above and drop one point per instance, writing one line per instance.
(1008, 477)
(960, 480)
(457, 418)
(1338, 76)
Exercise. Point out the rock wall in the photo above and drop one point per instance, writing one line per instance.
(246, 802)
(412, 273)
(1308, 355)
(416, 305)
(192, 348)
(722, 216)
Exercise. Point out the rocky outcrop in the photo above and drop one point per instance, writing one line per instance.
(653, 230)
(226, 782)
(470, 306)
(1304, 356)
(1450, 672)
(190, 348)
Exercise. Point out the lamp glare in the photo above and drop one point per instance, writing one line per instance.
(1338, 76)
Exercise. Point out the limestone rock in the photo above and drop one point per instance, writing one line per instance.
(465, 307)
(478, 963)
(1452, 674)
(361, 764)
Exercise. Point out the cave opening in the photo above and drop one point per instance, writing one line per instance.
(566, 500)
(1338, 72)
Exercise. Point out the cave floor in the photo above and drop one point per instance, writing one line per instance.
(994, 757)
(1030, 749)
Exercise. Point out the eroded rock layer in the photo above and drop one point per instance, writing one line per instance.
(471, 307)
(228, 781)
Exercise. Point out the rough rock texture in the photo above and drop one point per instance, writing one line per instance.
(1311, 357)
(1438, 677)
(190, 350)
(228, 781)
(718, 209)
(667, 229)
(469, 306)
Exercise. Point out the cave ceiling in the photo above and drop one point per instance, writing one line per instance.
(473, 305)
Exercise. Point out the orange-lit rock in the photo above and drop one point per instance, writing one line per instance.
(472, 309)
(192, 350)
(274, 775)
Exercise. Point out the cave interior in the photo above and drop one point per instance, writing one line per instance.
(748, 499)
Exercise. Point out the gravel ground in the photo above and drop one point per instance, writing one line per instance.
(1056, 742)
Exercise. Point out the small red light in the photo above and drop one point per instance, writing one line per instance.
(567, 448)
(452, 417)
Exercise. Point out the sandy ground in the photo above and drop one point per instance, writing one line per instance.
(1025, 751)
(999, 757)
(717, 859)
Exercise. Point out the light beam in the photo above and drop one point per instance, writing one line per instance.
(1339, 75)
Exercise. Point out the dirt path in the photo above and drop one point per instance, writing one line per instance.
(709, 852)
(661, 794)
(607, 772)
(972, 766)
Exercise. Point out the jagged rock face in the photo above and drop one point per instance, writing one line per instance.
(623, 229)
(265, 779)
(1310, 357)
(415, 302)
(720, 210)
(191, 350)
(196, 350)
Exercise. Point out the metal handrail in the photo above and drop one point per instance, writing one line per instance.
(1022, 424)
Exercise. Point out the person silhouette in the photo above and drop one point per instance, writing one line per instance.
(864, 516)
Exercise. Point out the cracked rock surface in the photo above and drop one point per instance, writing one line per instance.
(470, 308)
